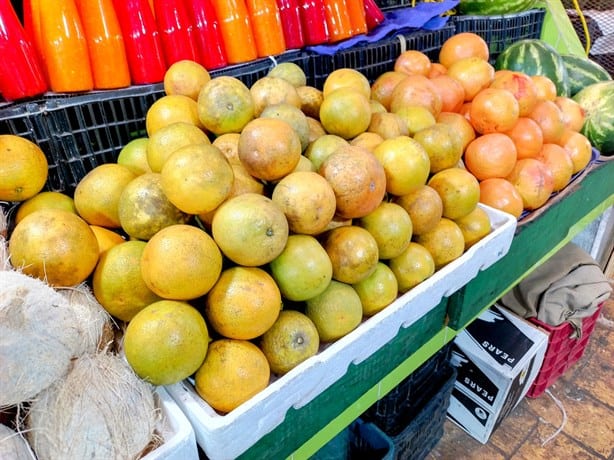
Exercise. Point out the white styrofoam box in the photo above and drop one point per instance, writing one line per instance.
(179, 440)
(227, 436)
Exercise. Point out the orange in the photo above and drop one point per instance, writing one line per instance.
(270, 90)
(378, 290)
(391, 227)
(311, 98)
(416, 90)
(493, 110)
(166, 342)
(345, 112)
(353, 253)
(229, 146)
(490, 155)
(521, 86)
(578, 147)
(169, 138)
(413, 62)
(321, 148)
(45, 200)
(315, 128)
(406, 163)
(443, 146)
(303, 269)
(225, 105)
(181, 262)
(197, 178)
(387, 125)
(291, 115)
(292, 339)
(169, 109)
(534, 182)
(437, 69)
(463, 45)
(412, 266)
(549, 117)
(572, 112)
(424, 206)
(450, 90)
(269, 148)
(133, 155)
(445, 242)
(308, 201)
(384, 84)
(23, 169)
(546, 89)
(367, 141)
(459, 191)
(244, 303)
(106, 238)
(233, 371)
(117, 281)
(358, 180)
(346, 77)
(460, 126)
(97, 194)
(475, 226)
(473, 73)
(335, 312)
(500, 194)
(416, 118)
(289, 71)
(527, 136)
(185, 77)
(250, 229)
(54, 245)
(560, 164)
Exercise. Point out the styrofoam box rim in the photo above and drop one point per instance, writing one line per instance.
(179, 440)
(227, 436)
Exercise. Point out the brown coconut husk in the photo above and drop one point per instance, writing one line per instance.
(13, 445)
(100, 410)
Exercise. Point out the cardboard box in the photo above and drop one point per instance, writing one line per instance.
(497, 358)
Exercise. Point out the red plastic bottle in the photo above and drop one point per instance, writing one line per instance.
(21, 76)
(291, 23)
(142, 41)
(177, 32)
(373, 14)
(313, 21)
(209, 35)
(338, 20)
(237, 34)
(266, 25)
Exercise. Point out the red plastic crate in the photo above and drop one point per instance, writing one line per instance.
(562, 352)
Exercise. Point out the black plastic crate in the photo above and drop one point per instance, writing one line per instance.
(394, 411)
(373, 59)
(386, 5)
(500, 31)
(360, 440)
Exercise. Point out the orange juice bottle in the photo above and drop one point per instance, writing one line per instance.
(236, 29)
(267, 28)
(358, 20)
(338, 20)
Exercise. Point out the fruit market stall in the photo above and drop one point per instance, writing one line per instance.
(412, 176)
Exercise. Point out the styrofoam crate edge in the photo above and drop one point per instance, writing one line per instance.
(179, 439)
(218, 434)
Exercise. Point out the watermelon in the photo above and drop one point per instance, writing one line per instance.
(533, 56)
(582, 72)
(597, 100)
(493, 7)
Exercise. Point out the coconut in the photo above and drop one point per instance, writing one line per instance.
(100, 410)
(13, 445)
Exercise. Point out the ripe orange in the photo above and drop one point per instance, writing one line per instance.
(459, 191)
(269, 148)
(308, 201)
(367, 141)
(391, 227)
(171, 108)
(229, 146)
(424, 206)
(311, 99)
(412, 266)
(358, 180)
(500, 194)
(233, 371)
(445, 242)
(475, 226)
(250, 229)
(463, 45)
(442, 144)
(225, 105)
(437, 69)
(560, 164)
(416, 90)
(169, 138)
(474, 73)
(345, 77)
(493, 110)
(490, 155)
(292, 339)
(527, 136)
(405, 162)
(450, 90)
(335, 312)
(353, 253)
(166, 342)
(413, 62)
(195, 259)
(534, 182)
(416, 118)
(45, 200)
(291, 115)
(460, 125)
(244, 303)
(387, 125)
(185, 77)
(54, 245)
(133, 155)
(521, 86)
(23, 169)
(546, 89)
(289, 71)
(578, 147)
(345, 112)
(378, 290)
(550, 119)
(323, 147)
(573, 113)
(106, 238)
(384, 84)
(271, 90)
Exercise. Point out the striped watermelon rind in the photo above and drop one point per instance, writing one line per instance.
(493, 7)
(582, 72)
(533, 56)
(597, 100)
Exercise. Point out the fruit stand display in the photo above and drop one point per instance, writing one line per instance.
(500, 134)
